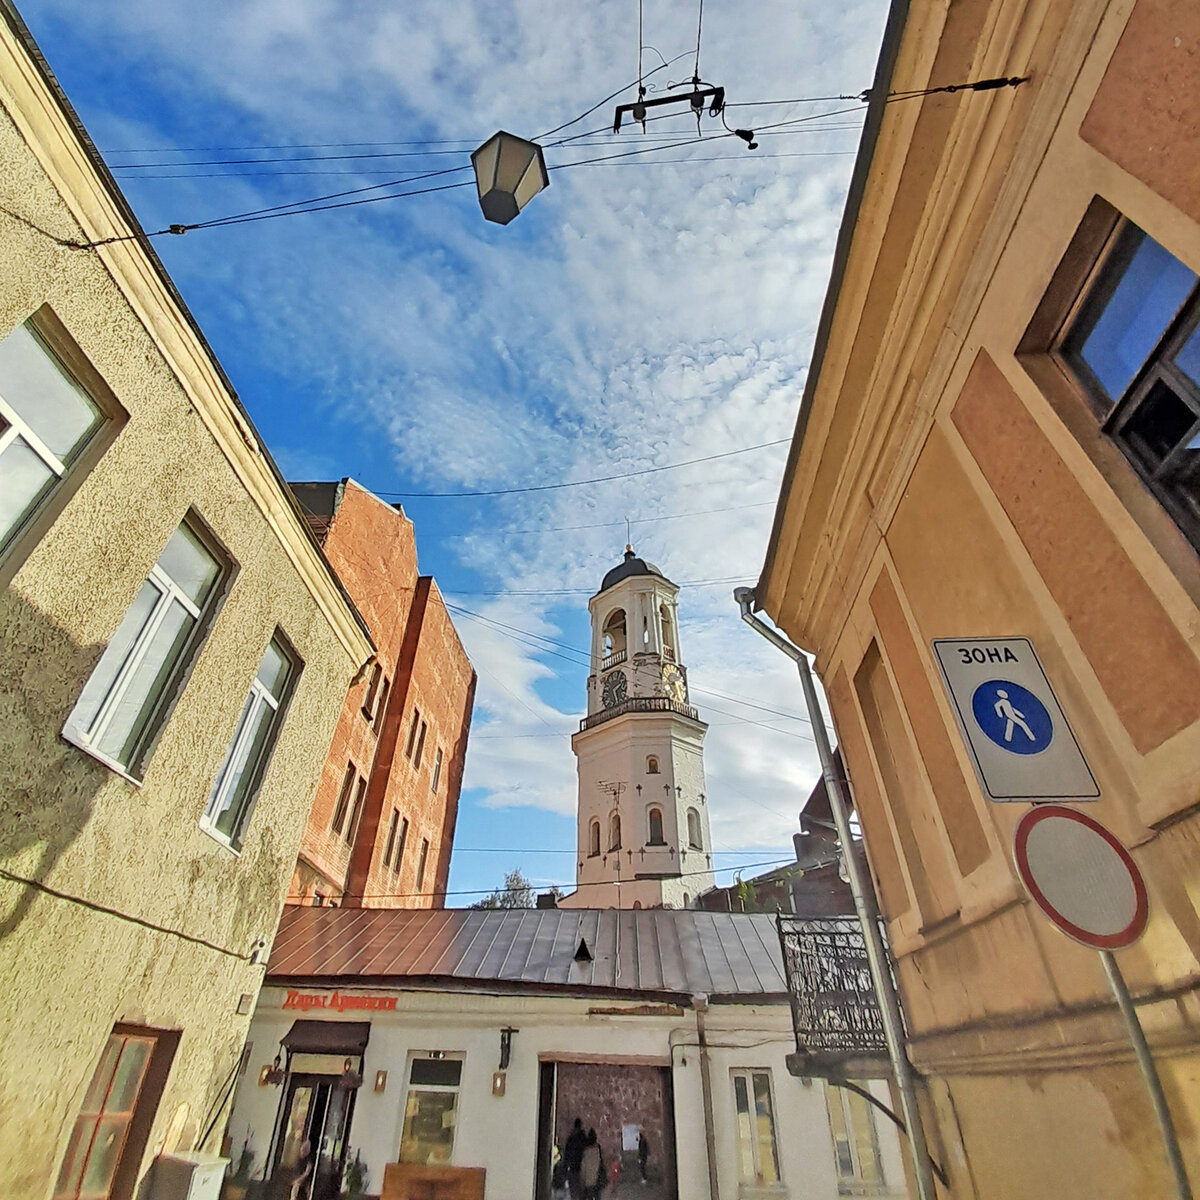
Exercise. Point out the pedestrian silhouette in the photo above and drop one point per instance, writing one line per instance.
(1011, 716)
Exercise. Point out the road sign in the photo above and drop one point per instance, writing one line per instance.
(1014, 727)
(1080, 876)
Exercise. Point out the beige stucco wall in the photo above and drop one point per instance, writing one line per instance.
(67, 973)
(948, 487)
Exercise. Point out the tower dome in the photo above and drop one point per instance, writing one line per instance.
(630, 566)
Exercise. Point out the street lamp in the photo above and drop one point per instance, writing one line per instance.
(509, 172)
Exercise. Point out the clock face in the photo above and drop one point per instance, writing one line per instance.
(673, 683)
(616, 688)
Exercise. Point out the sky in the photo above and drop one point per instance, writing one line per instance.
(652, 309)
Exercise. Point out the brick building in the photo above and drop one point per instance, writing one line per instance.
(382, 821)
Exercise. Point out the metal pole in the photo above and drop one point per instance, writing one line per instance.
(864, 905)
(1141, 1050)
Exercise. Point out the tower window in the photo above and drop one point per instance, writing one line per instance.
(594, 839)
(693, 824)
(614, 830)
(655, 823)
(652, 765)
(668, 638)
(614, 638)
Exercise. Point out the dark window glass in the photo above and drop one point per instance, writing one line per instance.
(436, 1072)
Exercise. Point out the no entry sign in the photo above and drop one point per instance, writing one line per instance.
(1081, 876)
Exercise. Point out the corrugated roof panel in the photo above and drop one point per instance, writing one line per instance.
(652, 950)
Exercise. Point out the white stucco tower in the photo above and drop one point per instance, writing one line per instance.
(643, 813)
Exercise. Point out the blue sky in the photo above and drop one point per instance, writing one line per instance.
(641, 312)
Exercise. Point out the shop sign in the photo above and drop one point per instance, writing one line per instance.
(338, 1001)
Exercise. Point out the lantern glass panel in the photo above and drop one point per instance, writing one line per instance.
(485, 164)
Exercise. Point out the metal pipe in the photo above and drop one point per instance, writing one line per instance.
(700, 1006)
(1141, 1050)
(864, 904)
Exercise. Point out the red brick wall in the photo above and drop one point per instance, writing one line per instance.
(372, 548)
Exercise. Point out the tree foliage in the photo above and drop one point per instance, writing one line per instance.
(517, 892)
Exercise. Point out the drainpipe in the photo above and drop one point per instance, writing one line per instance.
(864, 903)
(700, 1007)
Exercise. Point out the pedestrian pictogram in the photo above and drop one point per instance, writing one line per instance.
(1019, 739)
(1013, 717)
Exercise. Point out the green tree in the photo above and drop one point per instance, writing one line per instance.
(517, 892)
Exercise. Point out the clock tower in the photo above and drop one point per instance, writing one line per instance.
(643, 813)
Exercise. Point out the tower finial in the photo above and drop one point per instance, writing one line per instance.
(628, 538)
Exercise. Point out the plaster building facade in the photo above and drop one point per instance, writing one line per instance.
(174, 651)
(644, 837)
(382, 822)
(451, 1051)
(996, 440)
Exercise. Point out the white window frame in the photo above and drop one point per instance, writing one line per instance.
(243, 736)
(87, 738)
(755, 1185)
(854, 1184)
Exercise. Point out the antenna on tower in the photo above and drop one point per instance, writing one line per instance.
(628, 537)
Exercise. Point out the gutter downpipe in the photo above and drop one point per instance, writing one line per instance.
(864, 904)
(700, 1007)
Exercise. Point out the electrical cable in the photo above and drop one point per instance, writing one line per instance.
(550, 487)
(699, 28)
(588, 591)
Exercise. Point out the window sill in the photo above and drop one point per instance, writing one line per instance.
(217, 836)
(76, 740)
(762, 1191)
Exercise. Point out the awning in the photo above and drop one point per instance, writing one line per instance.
(327, 1037)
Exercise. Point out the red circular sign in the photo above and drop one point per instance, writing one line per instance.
(1081, 877)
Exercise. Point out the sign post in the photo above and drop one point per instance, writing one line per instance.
(1087, 883)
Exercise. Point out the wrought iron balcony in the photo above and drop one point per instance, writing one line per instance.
(835, 1015)
(638, 704)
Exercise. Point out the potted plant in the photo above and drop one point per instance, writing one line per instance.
(354, 1181)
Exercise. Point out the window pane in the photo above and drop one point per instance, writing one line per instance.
(190, 567)
(274, 671)
(1159, 423)
(128, 1080)
(136, 704)
(841, 1138)
(1117, 332)
(1188, 359)
(71, 1170)
(768, 1163)
(24, 479)
(428, 1135)
(436, 1072)
(864, 1139)
(102, 1162)
(741, 1096)
(225, 805)
(43, 394)
(93, 1102)
(98, 686)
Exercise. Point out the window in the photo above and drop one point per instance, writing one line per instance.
(613, 636)
(368, 704)
(655, 822)
(123, 704)
(46, 421)
(758, 1160)
(421, 861)
(652, 765)
(114, 1120)
(614, 832)
(437, 771)
(430, 1109)
(343, 801)
(356, 812)
(693, 824)
(400, 844)
(381, 704)
(1133, 344)
(420, 745)
(412, 733)
(855, 1141)
(232, 799)
(668, 638)
(393, 825)
(594, 839)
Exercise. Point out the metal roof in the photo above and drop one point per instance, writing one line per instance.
(650, 951)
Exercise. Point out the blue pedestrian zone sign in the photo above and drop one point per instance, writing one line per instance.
(1015, 719)
(1018, 736)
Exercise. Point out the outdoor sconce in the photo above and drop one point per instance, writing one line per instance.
(350, 1078)
(380, 1080)
(498, 1083)
(509, 172)
(506, 1037)
(271, 1076)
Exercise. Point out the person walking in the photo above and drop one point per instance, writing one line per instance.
(573, 1157)
(591, 1168)
(643, 1154)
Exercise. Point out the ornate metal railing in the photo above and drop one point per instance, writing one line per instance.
(614, 659)
(638, 704)
(835, 1014)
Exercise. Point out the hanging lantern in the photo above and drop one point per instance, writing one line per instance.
(350, 1078)
(274, 1075)
(509, 172)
